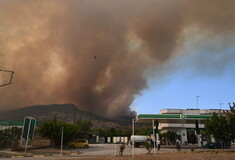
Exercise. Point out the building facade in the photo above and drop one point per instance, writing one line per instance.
(187, 131)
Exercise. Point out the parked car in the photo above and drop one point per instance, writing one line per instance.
(79, 143)
(218, 145)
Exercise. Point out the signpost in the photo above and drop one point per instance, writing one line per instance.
(27, 132)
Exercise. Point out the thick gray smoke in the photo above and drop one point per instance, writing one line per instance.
(95, 54)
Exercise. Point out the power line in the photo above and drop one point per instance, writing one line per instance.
(22, 84)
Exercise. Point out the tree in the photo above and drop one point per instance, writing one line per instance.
(52, 129)
(84, 125)
(218, 126)
(9, 134)
(144, 130)
(231, 118)
(232, 108)
(169, 137)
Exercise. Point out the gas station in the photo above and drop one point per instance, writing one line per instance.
(187, 124)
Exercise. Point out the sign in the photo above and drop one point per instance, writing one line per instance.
(27, 132)
(182, 116)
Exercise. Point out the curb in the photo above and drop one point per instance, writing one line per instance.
(54, 155)
(38, 156)
(16, 156)
(73, 154)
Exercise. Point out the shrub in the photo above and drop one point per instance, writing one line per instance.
(148, 147)
(52, 130)
(121, 149)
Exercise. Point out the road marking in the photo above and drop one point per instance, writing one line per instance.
(38, 156)
(16, 156)
(72, 154)
(56, 155)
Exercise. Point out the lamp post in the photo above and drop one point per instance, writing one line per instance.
(220, 105)
(133, 140)
(197, 101)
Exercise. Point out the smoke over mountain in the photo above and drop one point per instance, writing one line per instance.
(96, 54)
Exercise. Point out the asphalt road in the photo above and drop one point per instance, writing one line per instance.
(97, 150)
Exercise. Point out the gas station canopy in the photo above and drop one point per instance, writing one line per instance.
(170, 118)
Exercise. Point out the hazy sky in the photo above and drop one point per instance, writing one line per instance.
(114, 56)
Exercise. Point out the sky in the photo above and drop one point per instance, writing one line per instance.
(180, 88)
(180, 92)
(115, 57)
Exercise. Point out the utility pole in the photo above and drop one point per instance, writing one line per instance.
(74, 117)
(10, 79)
(61, 143)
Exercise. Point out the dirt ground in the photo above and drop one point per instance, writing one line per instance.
(216, 155)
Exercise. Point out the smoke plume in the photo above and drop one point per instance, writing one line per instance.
(96, 54)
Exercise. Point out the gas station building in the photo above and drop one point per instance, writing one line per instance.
(188, 124)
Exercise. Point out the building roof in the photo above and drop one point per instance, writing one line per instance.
(15, 123)
(170, 118)
(11, 123)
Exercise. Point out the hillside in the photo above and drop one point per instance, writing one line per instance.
(63, 112)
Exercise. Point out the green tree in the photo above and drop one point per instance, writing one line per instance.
(231, 118)
(144, 130)
(169, 137)
(218, 126)
(84, 125)
(52, 129)
(8, 135)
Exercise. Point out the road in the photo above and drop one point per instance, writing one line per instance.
(95, 150)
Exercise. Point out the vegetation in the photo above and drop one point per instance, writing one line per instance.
(169, 137)
(124, 132)
(144, 130)
(52, 129)
(222, 127)
(8, 135)
(231, 118)
(148, 147)
(84, 125)
(121, 149)
(218, 126)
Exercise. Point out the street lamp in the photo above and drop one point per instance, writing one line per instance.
(197, 101)
(220, 105)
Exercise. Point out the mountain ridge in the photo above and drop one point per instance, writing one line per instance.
(64, 112)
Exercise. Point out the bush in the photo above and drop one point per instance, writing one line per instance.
(8, 135)
(148, 147)
(121, 149)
